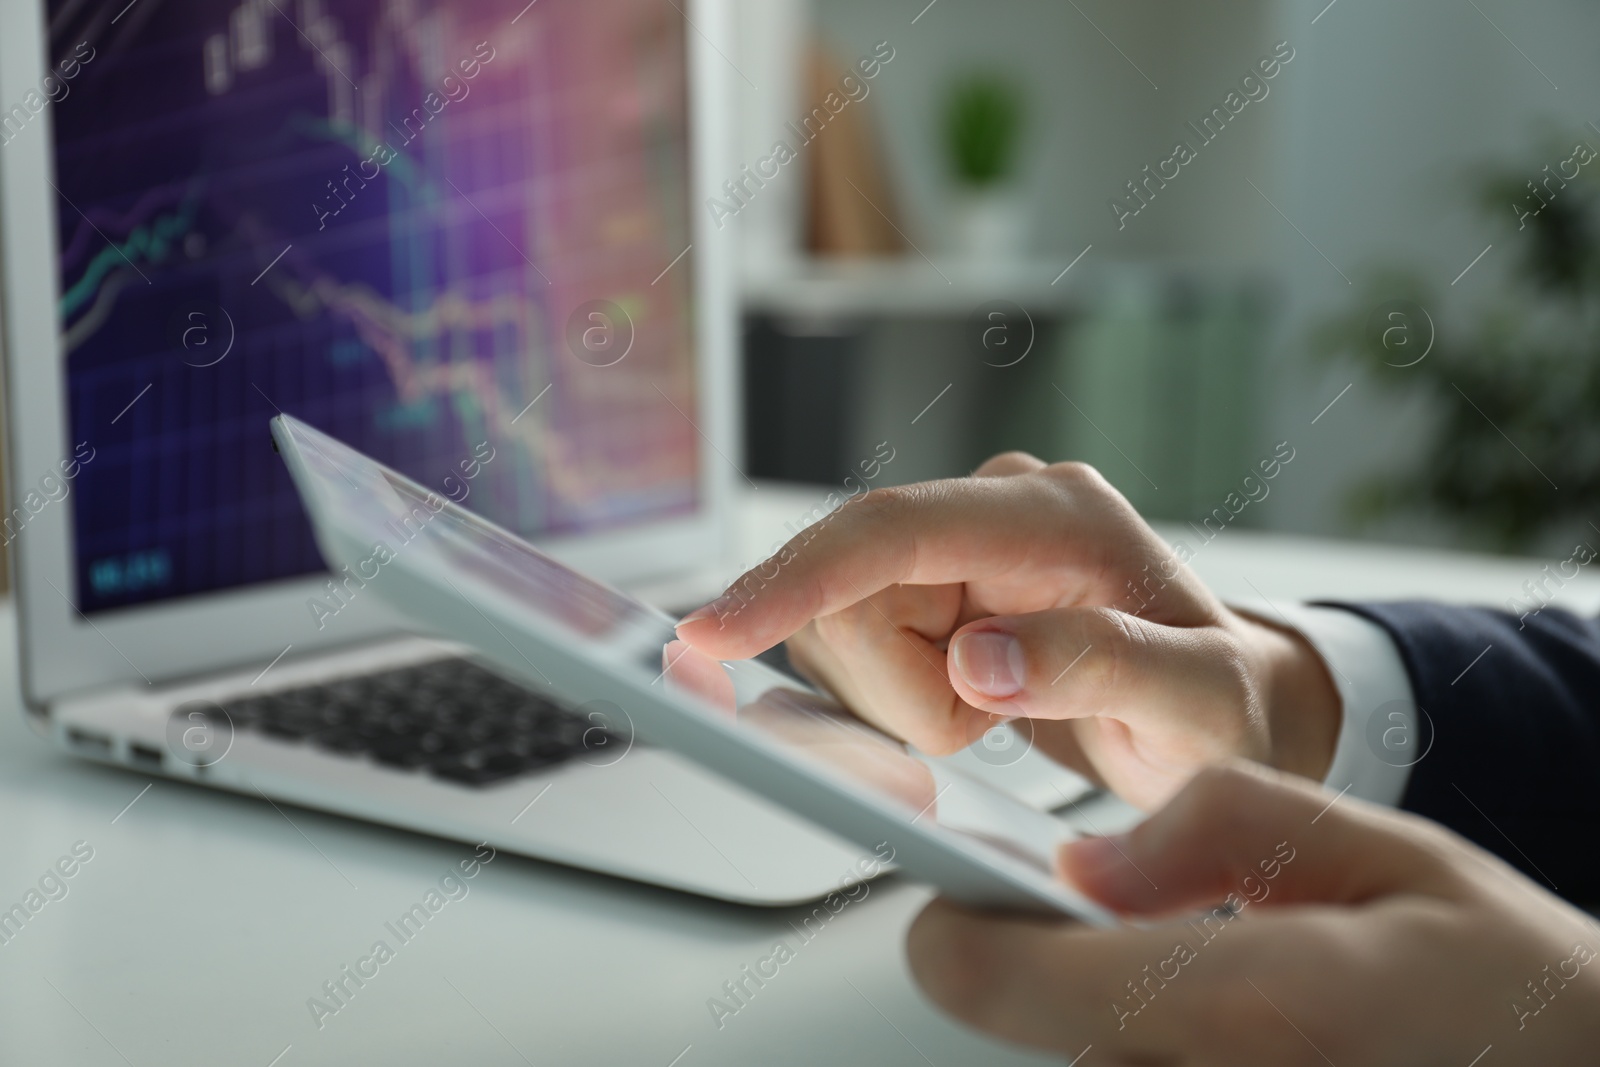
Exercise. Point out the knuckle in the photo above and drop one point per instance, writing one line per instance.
(1231, 704)
(1085, 486)
(883, 504)
(1014, 461)
(1219, 789)
(1077, 474)
(893, 514)
(1444, 853)
(1118, 641)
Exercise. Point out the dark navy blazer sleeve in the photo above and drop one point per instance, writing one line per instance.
(1515, 761)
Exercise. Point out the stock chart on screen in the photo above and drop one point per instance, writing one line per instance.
(444, 233)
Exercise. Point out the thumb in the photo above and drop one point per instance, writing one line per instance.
(1069, 663)
(1249, 833)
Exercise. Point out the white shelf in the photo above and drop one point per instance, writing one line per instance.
(915, 286)
(905, 285)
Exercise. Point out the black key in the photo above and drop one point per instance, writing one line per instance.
(398, 751)
(570, 731)
(370, 731)
(464, 723)
(352, 690)
(550, 748)
(400, 722)
(481, 731)
(479, 767)
(285, 719)
(303, 696)
(332, 715)
(244, 713)
(435, 745)
(394, 681)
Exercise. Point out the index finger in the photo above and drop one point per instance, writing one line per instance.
(934, 533)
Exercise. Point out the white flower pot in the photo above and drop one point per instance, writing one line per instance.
(989, 225)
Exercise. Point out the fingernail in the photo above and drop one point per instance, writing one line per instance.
(990, 662)
(696, 615)
(716, 609)
(1098, 855)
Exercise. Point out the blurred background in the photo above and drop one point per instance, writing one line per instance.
(1181, 242)
(1379, 258)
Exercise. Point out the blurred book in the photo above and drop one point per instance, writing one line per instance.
(1157, 387)
(851, 209)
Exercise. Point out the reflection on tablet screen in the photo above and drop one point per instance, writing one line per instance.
(518, 569)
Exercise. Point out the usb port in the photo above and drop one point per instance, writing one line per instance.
(145, 756)
(90, 743)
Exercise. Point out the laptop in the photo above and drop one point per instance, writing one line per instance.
(461, 236)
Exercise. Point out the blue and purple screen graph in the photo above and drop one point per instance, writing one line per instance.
(448, 234)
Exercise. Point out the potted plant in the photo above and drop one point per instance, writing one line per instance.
(1515, 395)
(983, 119)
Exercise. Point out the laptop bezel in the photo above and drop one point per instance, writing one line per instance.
(62, 651)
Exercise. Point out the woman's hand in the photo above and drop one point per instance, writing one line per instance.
(937, 610)
(1361, 936)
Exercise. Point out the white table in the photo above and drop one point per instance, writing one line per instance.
(205, 921)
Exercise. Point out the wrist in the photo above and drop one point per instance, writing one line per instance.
(1302, 705)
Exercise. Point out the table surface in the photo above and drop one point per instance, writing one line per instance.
(205, 921)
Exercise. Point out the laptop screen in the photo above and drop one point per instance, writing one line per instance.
(450, 234)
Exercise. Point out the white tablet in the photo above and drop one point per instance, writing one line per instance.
(578, 640)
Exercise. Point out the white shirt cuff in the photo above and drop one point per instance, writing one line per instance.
(1378, 726)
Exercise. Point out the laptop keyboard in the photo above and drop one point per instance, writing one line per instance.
(449, 718)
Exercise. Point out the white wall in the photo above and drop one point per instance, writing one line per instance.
(1367, 143)
(1094, 119)
(1396, 105)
